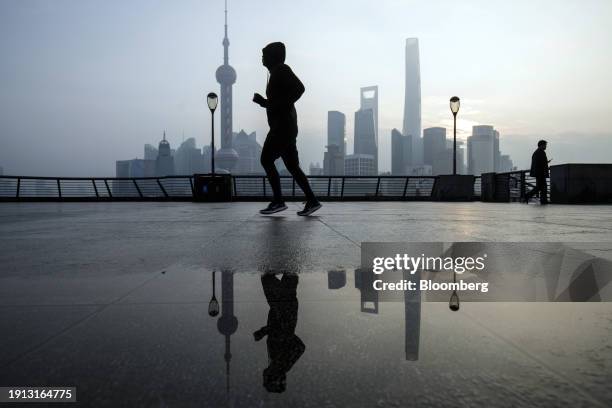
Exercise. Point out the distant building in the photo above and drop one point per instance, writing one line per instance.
(333, 161)
(249, 153)
(360, 165)
(461, 167)
(412, 101)
(443, 159)
(365, 135)
(164, 165)
(401, 152)
(442, 162)
(496, 152)
(506, 163)
(188, 158)
(420, 170)
(135, 168)
(481, 150)
(315, 169)
(336, 130)
(369, 100)
(226, 157)
(1, 171)
(150, 152)
(434, 143)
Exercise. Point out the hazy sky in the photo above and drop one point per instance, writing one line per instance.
(84, 83)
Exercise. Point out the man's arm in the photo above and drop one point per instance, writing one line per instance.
(260, 100)
(287, 90)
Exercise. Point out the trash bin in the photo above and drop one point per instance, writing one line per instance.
(212, 188)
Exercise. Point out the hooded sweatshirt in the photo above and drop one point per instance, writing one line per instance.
(283, 90)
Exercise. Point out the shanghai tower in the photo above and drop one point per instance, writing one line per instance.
(226, 76)
(412, 101)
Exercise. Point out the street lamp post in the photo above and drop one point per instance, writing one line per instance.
(212, 101)
(454, 106)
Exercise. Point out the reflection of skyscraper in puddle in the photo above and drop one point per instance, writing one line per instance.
(364, 278)
(227, 323)
(412, 317)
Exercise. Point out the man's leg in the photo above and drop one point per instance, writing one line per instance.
(541, 184)
(292, 162)
(533, 191)
(269, 153)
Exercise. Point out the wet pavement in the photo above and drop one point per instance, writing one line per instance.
(114, 298)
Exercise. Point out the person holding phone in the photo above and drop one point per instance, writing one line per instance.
(539, 170)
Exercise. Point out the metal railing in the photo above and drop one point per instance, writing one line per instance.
(244, 188)
(519, 183)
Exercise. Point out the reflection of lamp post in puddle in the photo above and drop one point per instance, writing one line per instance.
(453, 303)
(213, 306)
(227, 323)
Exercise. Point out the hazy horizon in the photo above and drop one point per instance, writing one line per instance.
(86, 83)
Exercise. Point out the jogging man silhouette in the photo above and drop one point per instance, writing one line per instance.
(283, 90)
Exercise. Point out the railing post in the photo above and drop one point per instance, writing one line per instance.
(264, 185)
(18, 187)
(523, 186)
(191, 183)
(234, 186)
(342, 189)
(59, 189)
(329, 187)
(293, 187)
(108, 190)
(162, 188)
(377, 187)
(93, 182)
(406, 187)
(137, 188)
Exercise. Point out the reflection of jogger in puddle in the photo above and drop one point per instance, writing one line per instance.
(284, 347)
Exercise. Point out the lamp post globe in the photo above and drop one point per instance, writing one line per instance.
(454, 107)
(212, 100)
(454, 104)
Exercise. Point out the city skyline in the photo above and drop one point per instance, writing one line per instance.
(133, 71)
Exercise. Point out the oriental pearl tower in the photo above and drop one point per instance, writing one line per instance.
(226, 157)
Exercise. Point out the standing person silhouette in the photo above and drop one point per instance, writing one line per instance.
(283, 90)
(539, 170)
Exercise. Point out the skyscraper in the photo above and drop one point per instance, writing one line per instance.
(226, 157)
(336, 130)
(164, 165)
(360, 165)
(150, 152)
(365, 135)
(401, 153)
(412, 101)
(333, 161)
(481, 150)
(188, 158)
(249, 152)
(369, 100)
(434, 141)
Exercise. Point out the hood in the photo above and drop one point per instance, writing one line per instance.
(274, 54)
